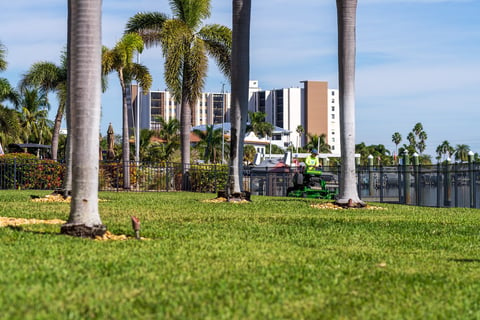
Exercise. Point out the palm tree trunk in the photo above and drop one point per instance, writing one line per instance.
(56, 132)
(84, 93)
(125, 136)
(346, 15)
(240, 71)
(185, 128)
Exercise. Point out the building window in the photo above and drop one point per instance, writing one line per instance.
(333, 108)
(333, 93)
(333, 116)
(333, 148)
(333, 100)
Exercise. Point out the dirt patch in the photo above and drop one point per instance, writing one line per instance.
(222, 199)
(7, 222)
(52, 198)
(333, 206)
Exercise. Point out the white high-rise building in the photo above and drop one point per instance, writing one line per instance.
(314, 107)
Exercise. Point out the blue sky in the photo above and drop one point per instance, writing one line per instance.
(417, 60)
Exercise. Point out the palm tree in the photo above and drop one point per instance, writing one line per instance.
(240, 72)
(34, 108)
(185, 45)
(258, 125)
(120, 59)
(444, 149)
(3, 57)
(461, 152)
(396, 138)
(51, 78)
(300, 131)
(318, 142)
(169, 133)
(346, 20)
(84, 76)
(210, 143)
(10, 126)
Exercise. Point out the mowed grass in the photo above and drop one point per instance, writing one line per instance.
(273, 258)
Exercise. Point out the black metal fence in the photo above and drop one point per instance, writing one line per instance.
(442, 185)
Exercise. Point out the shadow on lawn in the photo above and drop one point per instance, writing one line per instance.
(465, 260)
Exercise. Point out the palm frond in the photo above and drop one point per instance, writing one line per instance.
(218, 43)
(192, 13)
(148, 25)
(195, 71)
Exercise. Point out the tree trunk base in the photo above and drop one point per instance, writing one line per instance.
(350, 204)
(237, 196)
(83, 231)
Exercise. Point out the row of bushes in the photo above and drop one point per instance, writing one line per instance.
(25, 171)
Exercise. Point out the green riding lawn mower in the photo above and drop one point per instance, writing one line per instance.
(312, 184)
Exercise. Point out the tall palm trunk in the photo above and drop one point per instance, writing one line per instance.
(56, 133)
(84, 93)
(240, 70)
(346, 15)
(125, 135)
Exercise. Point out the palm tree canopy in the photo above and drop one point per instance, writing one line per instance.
(258, 125)
(3, 55)
(185, 44)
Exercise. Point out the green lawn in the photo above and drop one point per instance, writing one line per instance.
(274, 258)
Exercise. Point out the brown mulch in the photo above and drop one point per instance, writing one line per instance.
(222, 199)
(12, 222)
(333, 206)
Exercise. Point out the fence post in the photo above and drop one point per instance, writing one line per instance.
(15, 173)
(439, 190)
(371, 185)
(472, 179)
(406, 177)
(447, 188)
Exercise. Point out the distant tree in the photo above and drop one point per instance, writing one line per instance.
(10, 126)
(120, 60)
(210, 143)
(444, 150)
(396, 138)
(33, 109)
(300, 131)
(3, 57)
(461, 152)
(249, 153)
(318, 142)
(170, 134)
(50, 78)
(258, 125)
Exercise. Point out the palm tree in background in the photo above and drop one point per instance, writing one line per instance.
(444, 149)
(210, 142)
(240, 72)
(120, 60)
(461, 152)
(33, 109)
(346, 21)
(51, 78)
(300, 131)
(396, 139)
(10, 126)
(258, 125)
(185, 45)
(84, 76)
(318, 142)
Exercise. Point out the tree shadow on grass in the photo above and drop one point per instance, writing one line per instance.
(465, 260)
